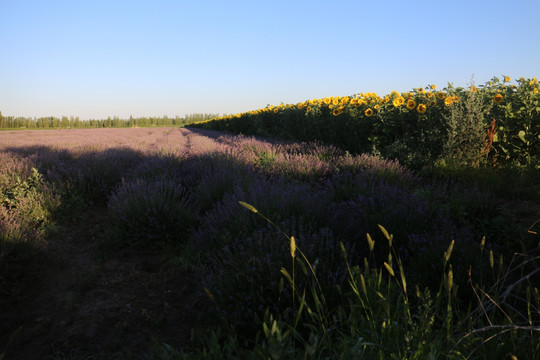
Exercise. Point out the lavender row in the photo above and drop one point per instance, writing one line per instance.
(175, 186)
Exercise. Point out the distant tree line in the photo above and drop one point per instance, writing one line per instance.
(51, 122)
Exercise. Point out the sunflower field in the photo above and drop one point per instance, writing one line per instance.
(493, 124)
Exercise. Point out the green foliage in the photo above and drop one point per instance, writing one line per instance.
(466, 128)
(27, 205)
(419, 128)
(51, 122)
(382, 316)
(518, 120)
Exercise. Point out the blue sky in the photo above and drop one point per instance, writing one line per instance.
(95, 59)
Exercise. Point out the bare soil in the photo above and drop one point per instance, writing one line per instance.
(74, 300)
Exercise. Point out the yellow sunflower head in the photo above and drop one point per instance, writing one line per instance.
(421, 108)
(398, 101)
(498, 98)
(507, 79)
(336, 112)
(411, 104)
(441, 95)
(449, 101)
(433, 87)
(368, 112)
(473, 89)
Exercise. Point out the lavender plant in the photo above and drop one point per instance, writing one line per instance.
(151, 213)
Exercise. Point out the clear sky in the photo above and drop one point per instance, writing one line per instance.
(95, 59)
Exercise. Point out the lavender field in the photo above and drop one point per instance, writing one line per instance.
(156, 246)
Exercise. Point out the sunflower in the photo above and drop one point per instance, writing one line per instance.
(326, 101)
(336, 112)
(449, 101)
(473, 89)
(308, 109)
(421, 108)
(498, 98)
(398, 101)
(335, 101)
(507, 79)
(368, 112)
(441, 95)
(411, 104)
(433, 87)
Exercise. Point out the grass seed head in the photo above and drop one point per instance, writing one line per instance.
(248, 206)
(293, 247)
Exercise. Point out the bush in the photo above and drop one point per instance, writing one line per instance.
(27, 205)
(151, 213)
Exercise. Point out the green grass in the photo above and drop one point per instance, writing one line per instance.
(382, 316)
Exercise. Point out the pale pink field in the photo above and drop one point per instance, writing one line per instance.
(142, 139)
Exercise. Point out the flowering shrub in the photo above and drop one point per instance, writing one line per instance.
(151, 213)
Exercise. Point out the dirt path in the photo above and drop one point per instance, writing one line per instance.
(79, 302)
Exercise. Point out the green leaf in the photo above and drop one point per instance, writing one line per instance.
(521, 135)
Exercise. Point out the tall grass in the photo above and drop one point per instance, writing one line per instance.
(382, 316)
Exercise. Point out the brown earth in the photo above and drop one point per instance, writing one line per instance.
(75, 300)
